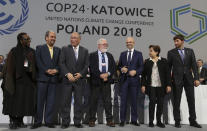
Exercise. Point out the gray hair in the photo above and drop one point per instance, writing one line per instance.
(100, 41)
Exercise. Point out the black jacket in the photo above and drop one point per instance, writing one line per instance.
(164, 73)
(94, 68)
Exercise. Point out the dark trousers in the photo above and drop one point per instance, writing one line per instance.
(127, 89)
(67, 90)
(16, 119)
(46, 93)
(177, 93)
(105, 91)
(156, 95)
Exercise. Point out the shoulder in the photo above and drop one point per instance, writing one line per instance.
(83, 48)
(93, 53)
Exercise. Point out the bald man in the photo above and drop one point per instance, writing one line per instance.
(74, 62)
(130, 66)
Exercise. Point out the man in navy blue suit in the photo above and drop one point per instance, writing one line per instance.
(47, 57)
(131, 66)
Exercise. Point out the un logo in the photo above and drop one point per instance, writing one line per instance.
(176, 15)
(6, 18)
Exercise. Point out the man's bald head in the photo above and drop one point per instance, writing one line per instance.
(130, 42)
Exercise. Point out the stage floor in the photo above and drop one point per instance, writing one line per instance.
(99, 127)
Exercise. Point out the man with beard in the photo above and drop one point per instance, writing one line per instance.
(47, 57)
(182, 62)
(102, 67)
(19, 88)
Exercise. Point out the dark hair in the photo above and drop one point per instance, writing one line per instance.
(20, 37)
(156, 48)
(2, 56)
(200, 60)
(179, 36)
(47, 33)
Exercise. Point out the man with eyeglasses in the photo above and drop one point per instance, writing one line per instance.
(74, 62)
(102, 67)
(130, 66)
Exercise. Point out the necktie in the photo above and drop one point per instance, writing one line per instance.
(182, 55)
(76, 53)
(51, 52)
(103, 63)
(129, 58)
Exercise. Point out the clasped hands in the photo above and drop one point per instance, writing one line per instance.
(73, 78)
(131, 72)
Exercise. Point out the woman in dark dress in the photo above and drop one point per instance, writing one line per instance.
(156, 82)
(19, 82)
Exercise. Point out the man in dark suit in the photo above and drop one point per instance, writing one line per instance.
(102, 67)
(47, 57)
(202, 72)
(182, 62)
(74, 62)
(131, 66)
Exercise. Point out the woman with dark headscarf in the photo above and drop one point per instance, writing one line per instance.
(19, 82)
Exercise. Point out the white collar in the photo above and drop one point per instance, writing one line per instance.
(159, 58)
(77, 47)
(132, 50)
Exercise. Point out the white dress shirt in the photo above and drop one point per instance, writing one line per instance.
(155, 77)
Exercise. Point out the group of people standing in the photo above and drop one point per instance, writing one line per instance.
(31, 78)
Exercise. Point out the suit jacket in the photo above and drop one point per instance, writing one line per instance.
(182, 69)
(94, 68)
(135, 64)
(68, 63)
(44, 62)
(164, 73)
(203, 74)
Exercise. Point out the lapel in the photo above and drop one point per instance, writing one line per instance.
(48, 57)
(71, 51)
(186, 55)
(133, 56)
(109, 62)
(125, 57)
(96, 58)
(178, 55)
(79, 54)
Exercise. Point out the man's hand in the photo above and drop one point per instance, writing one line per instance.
(124, 69)
(77, 76)
(168, 89)
(201, 79)
(54, 71)
(143, 89)
(132, 73)
(70, 77)
(104, 76)
(49, 71)
(196, 83)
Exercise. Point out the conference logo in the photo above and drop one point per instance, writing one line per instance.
(10, 23)
(200, 31)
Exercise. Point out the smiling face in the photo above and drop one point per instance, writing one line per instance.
(103, 45)
(75, 39)
(51, 38)
(26, 40)
(130, 43)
